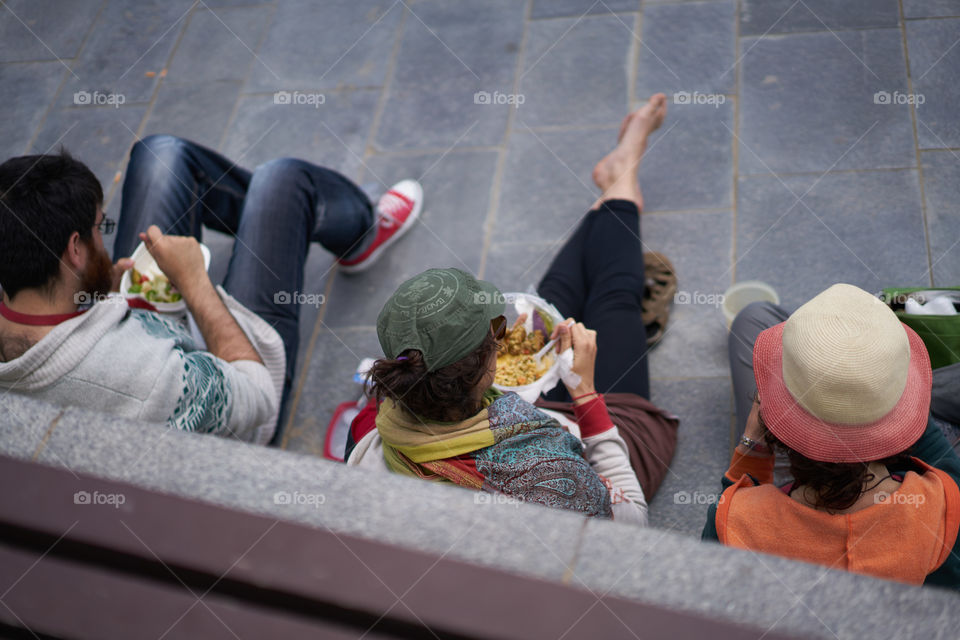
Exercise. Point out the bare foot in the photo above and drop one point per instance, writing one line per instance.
(624, 160)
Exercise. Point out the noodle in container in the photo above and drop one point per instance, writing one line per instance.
(540, 315)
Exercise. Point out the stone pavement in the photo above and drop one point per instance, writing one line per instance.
(807, 142)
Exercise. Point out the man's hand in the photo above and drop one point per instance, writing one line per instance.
(181, 260)
(116, 274)
(584, 343)
(178, 257)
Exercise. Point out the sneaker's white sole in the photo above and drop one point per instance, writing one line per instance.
(366, 264)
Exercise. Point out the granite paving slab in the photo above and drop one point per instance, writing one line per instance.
(100, 137)
(688, 163)
(547, 185)
(934, 60)
(224, 39)
(941, 179)
(700, 247)
(557, 8)
(453, 82)
(322, 46)
(930, 8)
(195, 111)
(328, 128)
(35, 84)
(814, 102)
(126, 51)
(703, 451)
(864, 229)
(41, 30)
(575, 71)
(760, 17)
(689, 47)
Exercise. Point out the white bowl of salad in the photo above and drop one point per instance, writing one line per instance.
(146, 282)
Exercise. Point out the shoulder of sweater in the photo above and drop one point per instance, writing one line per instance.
(65, 347)
(368, 453)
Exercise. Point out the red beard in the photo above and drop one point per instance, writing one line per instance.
(97, 278)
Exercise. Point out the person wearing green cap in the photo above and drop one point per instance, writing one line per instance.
(439, 418)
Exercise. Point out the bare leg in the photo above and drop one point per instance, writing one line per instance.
(616, 174)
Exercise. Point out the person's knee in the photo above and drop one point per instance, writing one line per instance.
(282, 170)
(758, 309)
(754, 318)
(290, 179)
(158, 145)
(157, 154)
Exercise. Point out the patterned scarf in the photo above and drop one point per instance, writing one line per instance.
(510, 447)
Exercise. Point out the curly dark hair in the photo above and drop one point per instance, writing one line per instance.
(448, 394)
(835, 485)
(43, 201)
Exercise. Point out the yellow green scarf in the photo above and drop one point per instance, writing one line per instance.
(421, 440)
(508, 447)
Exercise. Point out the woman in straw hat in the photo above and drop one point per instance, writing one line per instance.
(440, 419)
(843, 389)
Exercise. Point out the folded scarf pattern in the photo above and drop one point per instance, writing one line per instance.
(509, 447)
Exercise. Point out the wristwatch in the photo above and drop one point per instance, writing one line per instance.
(753, 445)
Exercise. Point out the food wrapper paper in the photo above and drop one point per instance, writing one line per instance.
(569, 378)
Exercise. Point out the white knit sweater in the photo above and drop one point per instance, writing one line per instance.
(143, 366)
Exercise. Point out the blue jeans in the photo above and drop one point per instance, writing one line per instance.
(273, 213)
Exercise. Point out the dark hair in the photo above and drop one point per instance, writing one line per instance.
(835, 485)
(445, 395)
(43, 201)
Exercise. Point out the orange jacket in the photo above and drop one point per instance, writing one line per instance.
(906, 537)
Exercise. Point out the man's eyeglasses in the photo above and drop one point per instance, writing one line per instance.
(499, 327)
(106, 226)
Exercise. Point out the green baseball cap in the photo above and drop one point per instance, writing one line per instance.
(443, 313)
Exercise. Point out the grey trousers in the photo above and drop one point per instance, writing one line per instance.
(755, 317)
(748, 324)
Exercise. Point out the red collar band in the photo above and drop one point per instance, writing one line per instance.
(36, 320)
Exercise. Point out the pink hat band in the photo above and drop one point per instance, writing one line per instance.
(843, 380)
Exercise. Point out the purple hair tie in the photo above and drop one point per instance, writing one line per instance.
(402, 358)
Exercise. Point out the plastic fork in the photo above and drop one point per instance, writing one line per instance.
(538, 356)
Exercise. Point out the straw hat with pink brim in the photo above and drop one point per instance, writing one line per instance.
(843, 380)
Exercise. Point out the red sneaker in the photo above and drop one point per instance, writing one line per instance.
(397, 210)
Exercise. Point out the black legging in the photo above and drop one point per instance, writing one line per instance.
(598, 279)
